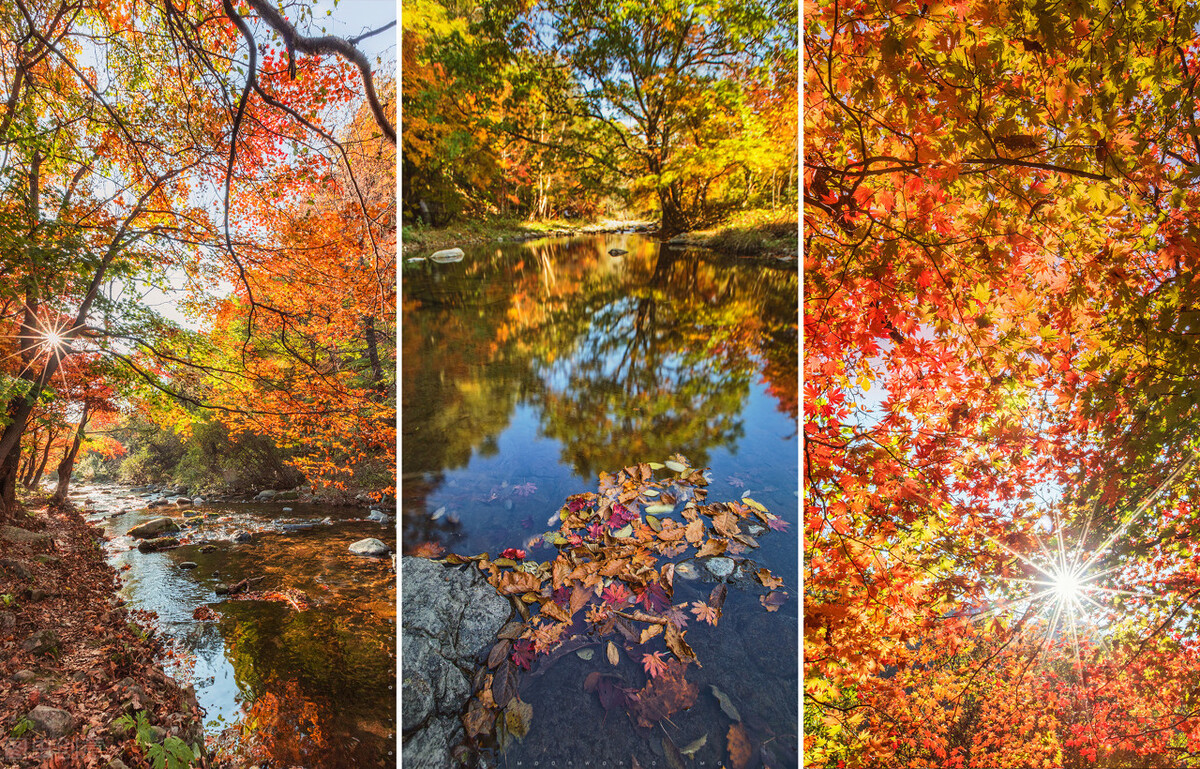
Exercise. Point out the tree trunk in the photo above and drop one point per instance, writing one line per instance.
(28, 460)
(41, 468)
(67, 465)
(8, 483)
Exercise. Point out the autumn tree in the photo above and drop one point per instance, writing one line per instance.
(998, 336)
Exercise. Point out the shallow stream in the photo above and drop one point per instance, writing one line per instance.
(301, 668)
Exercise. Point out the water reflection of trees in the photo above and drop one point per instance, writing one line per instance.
(625, 359)
(319, 684)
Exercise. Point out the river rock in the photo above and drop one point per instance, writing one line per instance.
(287, 509)
(23, 676)
(156, 544)
(183, 502)
(265, 494)
(242, 535)
(370, 546)
(40, 642)
(720, 566)
(188, 565)
(207, 548)
(451, 617)
(378, 516)
(7, 620)
(447, 255)
(152, 528)
(51, 721)
(22, 536)
(160, 502)
(617, 252)
(16, 567)
(197, 500)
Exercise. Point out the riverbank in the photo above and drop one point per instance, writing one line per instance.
(751, 233)
(73, 661)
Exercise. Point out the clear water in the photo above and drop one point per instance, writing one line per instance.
(316, 684)
(529, 368)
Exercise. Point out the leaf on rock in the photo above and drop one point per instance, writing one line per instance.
(517, 717)
(726, 704)
(739, 746)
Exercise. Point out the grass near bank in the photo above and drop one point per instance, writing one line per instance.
(753, 233)
(418, 237)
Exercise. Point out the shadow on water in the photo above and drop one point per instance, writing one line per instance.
(309, 683)
(530, 368)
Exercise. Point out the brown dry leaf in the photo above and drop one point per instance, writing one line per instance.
(635, 764)
(650, 632)
(514, 582)
(695, 531)
(478, 721)
(668, 578)
(770, 582)
(739, 747)
(672, 534)
(498, 653)
(505, 684)
(512, 631)
(579, 598)
(678, 646)
(726, 524)
(613, 567)
(626, 629)
(611, 651)
(559, 572)
(551, 609)
(716, 599)
(714, 546)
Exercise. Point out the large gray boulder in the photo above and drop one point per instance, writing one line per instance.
(451, 617)
(153, 528)
(370, 546)
(51, 722)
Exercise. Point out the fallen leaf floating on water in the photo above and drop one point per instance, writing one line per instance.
(611, 652)
(739, 746)
(769, 581)
(676, 466)
(671, 754)
(705, 613)
(650, 632)
(662, 508)
(498, 654)
(726, 705)
(716, 598)
(514, 553)
(504, 684)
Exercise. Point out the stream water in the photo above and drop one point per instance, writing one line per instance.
(530, 368)
(308, 682)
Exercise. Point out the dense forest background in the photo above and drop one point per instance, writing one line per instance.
(586, 109)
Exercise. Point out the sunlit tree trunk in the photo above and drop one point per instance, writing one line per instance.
(67, 465)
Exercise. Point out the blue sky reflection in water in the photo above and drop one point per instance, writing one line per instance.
(530, 368)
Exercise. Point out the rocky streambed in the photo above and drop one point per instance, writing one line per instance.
(278, 609)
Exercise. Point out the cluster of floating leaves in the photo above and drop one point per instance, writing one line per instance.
(612, 578)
